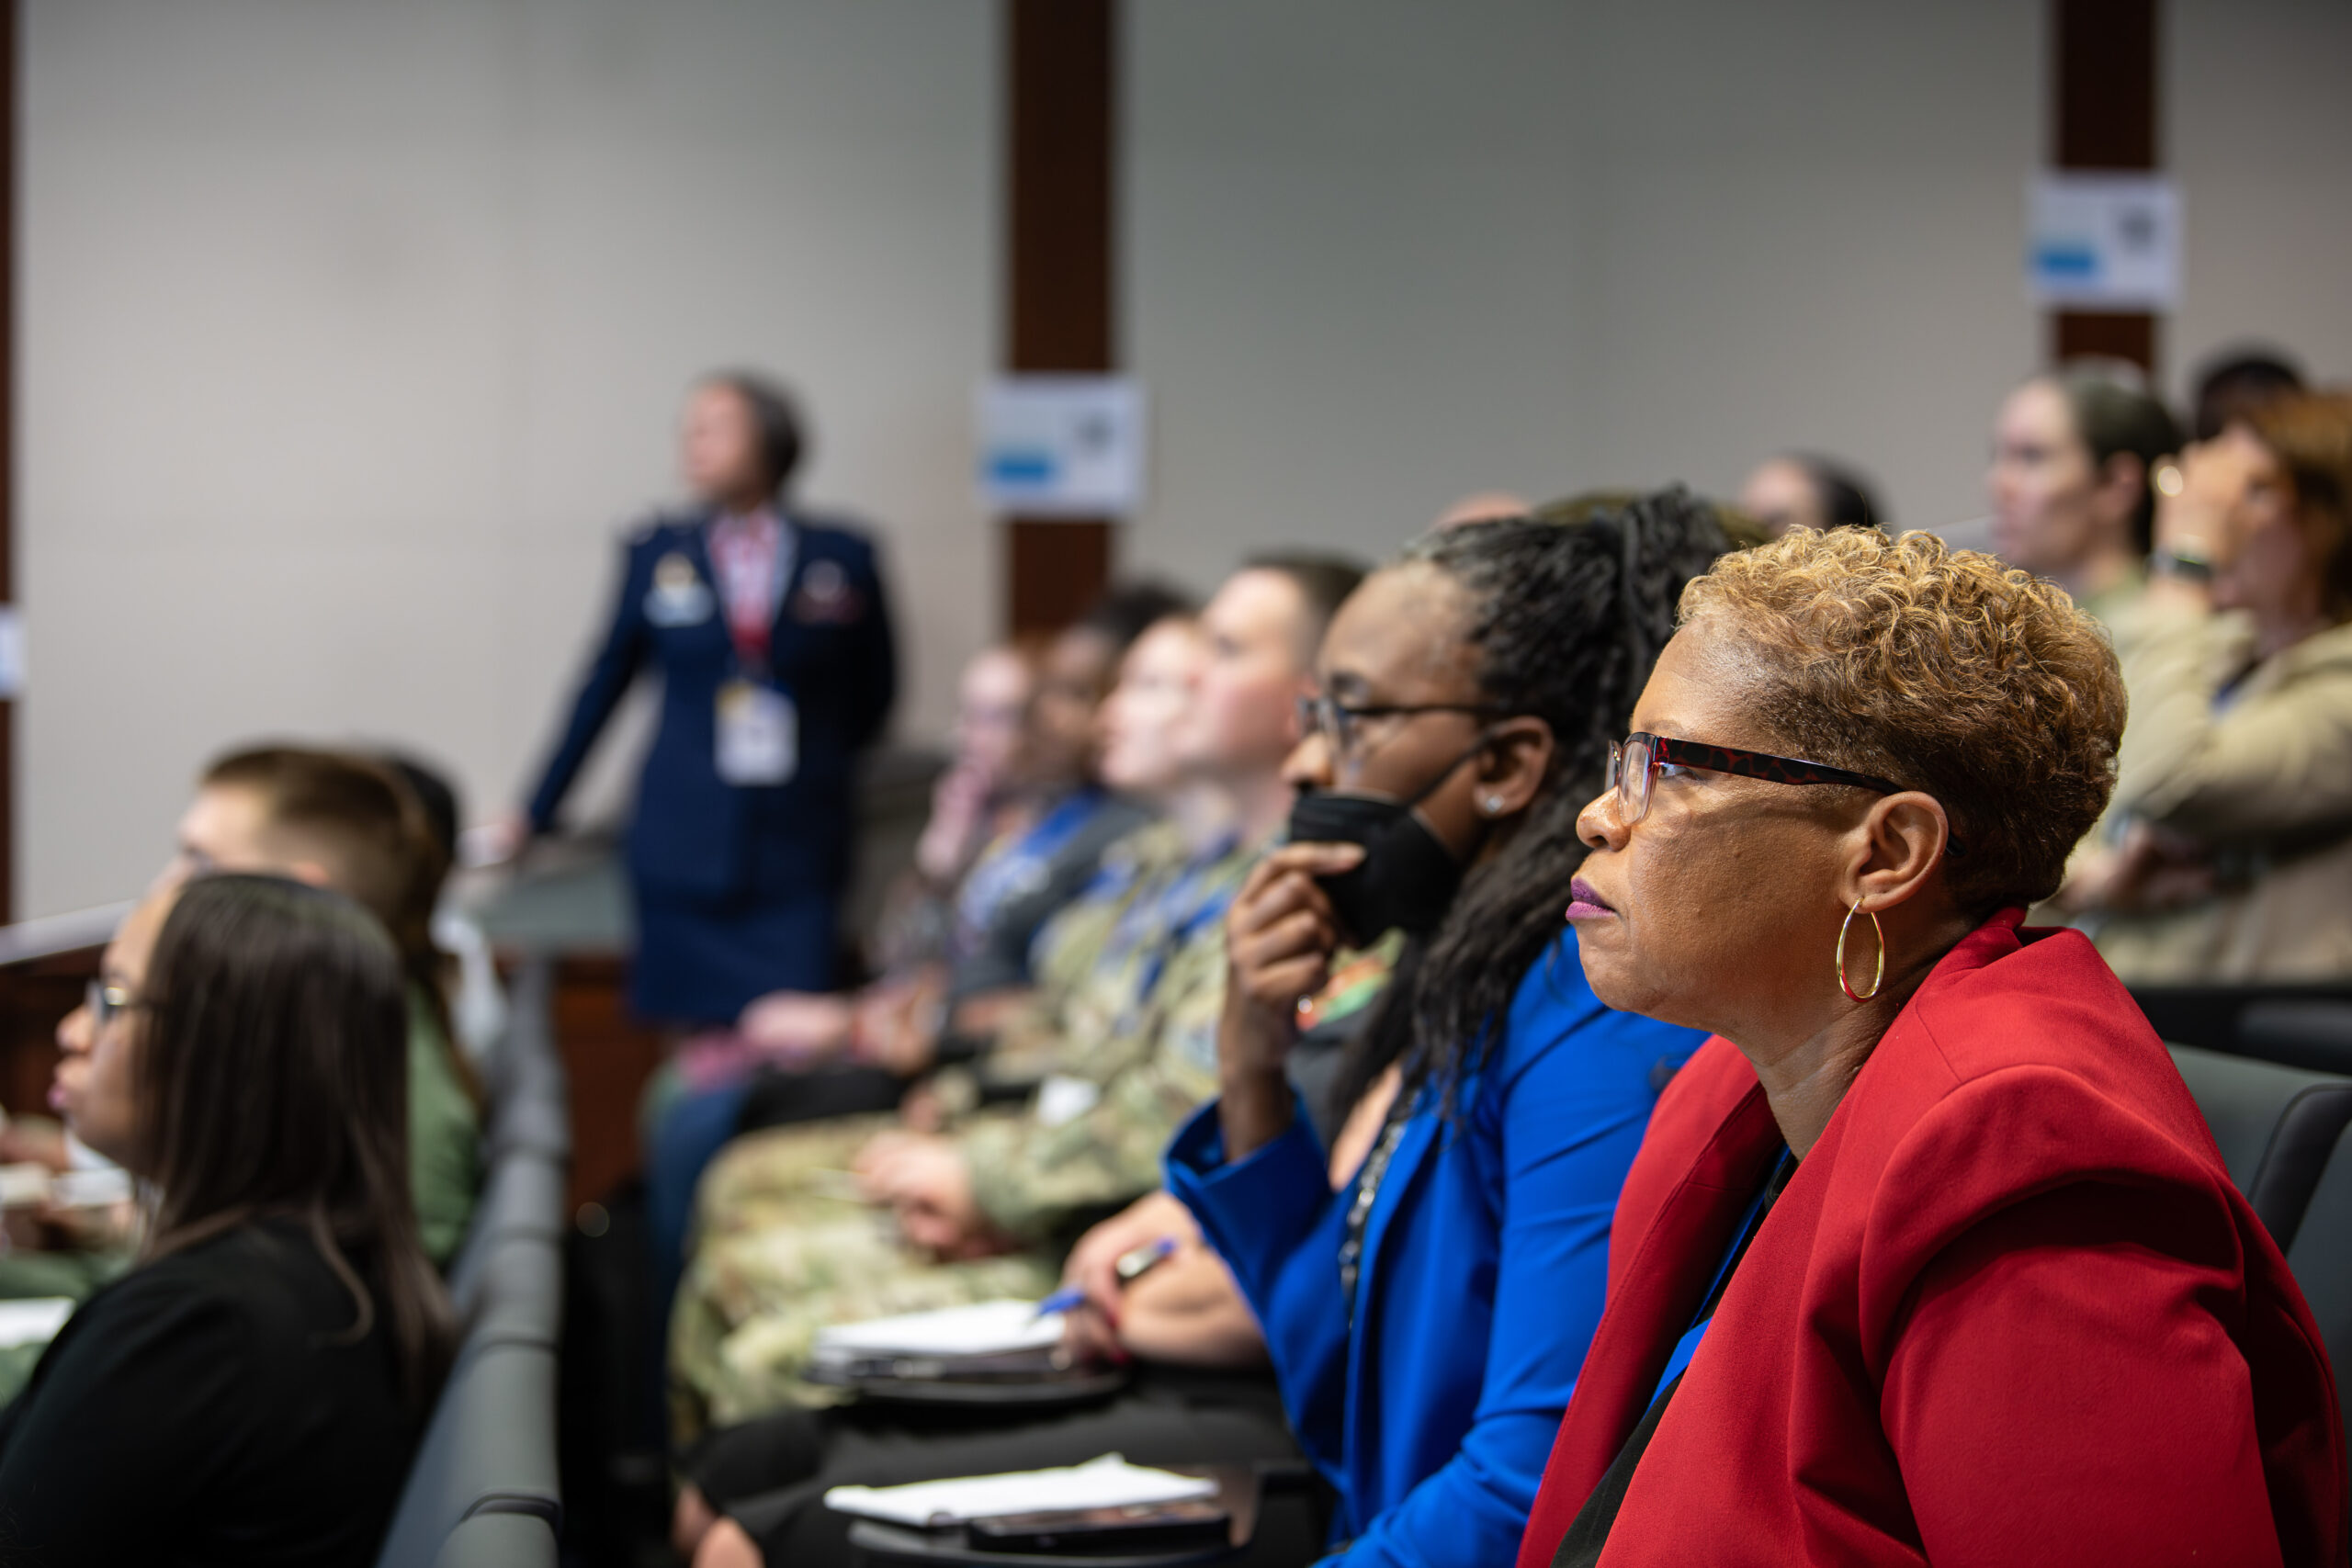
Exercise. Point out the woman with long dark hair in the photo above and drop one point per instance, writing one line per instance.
(251, 1392)
(1427, 1315)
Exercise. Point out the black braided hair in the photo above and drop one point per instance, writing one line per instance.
(1566, 619)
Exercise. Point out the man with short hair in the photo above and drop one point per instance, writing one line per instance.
(1127, 1050)
(349, 823)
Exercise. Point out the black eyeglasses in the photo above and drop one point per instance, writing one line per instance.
(1634, 764)
(107, 1003)
(1337, 721)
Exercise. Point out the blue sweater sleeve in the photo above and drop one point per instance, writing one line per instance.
(1560, 1127)
(1273, 1220)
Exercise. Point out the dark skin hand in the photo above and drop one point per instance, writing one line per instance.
(1279, 940)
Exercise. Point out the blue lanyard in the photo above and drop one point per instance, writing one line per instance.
(1155, 919)
(1012, 869)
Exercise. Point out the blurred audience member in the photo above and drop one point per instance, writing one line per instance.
(351, 824)
(958, 956)
(991, 702)
(2236, 861)
(1801, 490)
(2072, 483)
(2075, 457)
(2233, 384)
(476, 1001)
(1024, 876)
(1130, 1050)
(253, 1390)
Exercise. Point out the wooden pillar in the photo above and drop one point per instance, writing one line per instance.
(2103, 117)
(1061, 115)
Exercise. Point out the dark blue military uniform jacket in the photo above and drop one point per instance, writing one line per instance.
(830, 651)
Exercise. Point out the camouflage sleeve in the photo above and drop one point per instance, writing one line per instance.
(1088, 1147)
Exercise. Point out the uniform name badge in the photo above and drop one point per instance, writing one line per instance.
(759, 734)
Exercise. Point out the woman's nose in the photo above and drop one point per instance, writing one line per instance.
(73, 1031)
(1309, 763)
(1599, 826)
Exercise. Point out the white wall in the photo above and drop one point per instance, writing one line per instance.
(1351, 281)
(352, 335)
(352, 331)
(2258, 125)
(1385, 253)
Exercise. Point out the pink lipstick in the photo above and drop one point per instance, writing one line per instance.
(1587, 905)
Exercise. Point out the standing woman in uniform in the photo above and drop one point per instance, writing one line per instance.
(772, 637)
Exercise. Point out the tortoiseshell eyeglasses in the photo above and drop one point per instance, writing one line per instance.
(1633, 765)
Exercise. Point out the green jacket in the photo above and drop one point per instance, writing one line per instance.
(443, 1138)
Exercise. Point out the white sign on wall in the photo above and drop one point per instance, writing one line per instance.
(1061, 445)
(12, 653)
(2103, 242)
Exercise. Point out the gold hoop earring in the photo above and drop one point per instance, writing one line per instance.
(1878, 979)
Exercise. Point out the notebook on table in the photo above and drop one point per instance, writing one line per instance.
(990, 1352)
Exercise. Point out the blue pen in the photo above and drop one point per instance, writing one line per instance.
(1131, 1267)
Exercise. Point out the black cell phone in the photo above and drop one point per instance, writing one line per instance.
(1107, 1532)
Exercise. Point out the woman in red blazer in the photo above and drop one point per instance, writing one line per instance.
(1928, 1256)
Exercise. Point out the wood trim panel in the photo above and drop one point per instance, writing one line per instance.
(1061, 142)
(2103, 115)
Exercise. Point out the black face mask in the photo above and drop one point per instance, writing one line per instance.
(1408, 877)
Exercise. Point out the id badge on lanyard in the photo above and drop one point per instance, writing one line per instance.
(759, 734)
(758, 727)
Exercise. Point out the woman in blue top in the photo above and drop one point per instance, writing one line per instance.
(1427, 1316)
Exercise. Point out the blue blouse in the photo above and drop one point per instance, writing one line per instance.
(1485, 1259)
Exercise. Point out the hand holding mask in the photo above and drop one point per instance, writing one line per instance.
(1406, 878)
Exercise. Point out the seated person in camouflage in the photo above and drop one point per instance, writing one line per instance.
(955, 939)
(1124, 1026)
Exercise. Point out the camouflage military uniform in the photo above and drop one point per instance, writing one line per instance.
(1123, 1033)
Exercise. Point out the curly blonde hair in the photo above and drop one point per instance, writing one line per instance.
(1940, 670)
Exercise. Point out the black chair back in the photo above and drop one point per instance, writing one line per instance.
(2277, 1127)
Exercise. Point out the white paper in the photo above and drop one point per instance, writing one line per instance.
(24, 1186)
(1061, 445)
(93, 1189)
(34, 1321)
(2104, 241)
(1109, 1482)
(986, 1329)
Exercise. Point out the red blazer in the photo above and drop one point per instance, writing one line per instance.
(2009, 1310)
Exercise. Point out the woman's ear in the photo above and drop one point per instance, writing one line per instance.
(1515, 762)
(1899, 852)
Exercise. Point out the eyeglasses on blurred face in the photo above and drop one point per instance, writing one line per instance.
(107, 1003)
